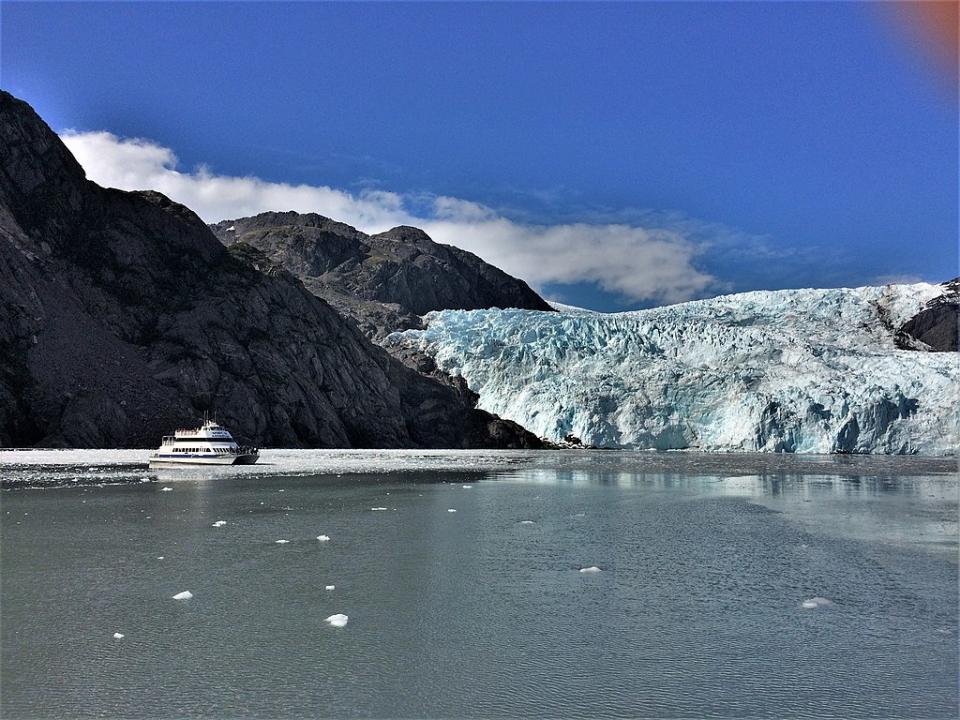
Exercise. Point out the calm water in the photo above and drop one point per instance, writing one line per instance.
(697, 610)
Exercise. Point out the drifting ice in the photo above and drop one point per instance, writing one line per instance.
(338, 620)
(219, 523)
(282, 542)
(591, 569)
(451, 510)
(118, 636)
(323, 538)
(166, 489)
(808, 371)
(815, 602)
(330, 587)
(185, 595)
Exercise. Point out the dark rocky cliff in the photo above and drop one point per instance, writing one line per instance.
(122, 316)
(937, 326)
(385, 281)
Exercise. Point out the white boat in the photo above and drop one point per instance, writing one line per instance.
(209, 444)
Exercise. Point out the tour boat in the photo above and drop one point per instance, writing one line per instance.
(209, 444)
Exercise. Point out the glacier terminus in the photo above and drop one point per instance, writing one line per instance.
(805, 371)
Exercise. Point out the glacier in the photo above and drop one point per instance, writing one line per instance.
(804, 371)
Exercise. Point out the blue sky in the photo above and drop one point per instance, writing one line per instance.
(705, 147)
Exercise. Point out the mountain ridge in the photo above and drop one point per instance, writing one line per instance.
(122, 316)
(385, 281)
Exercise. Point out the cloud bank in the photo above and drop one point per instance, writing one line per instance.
(636, 262)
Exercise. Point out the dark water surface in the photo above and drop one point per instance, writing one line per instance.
(696, 612)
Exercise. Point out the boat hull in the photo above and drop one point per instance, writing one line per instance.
(247, 459)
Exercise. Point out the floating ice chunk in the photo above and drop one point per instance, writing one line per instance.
(118, 636)
(338, 620)
(527, 522)
(815, 602)
(143, 480)
(591, 569)
(282, 542)
(466, 487)
(219, 523)
(330, 587)
(166, 489)
(185, 595)
(378, 508)
(159, 557)
(451, 509)
(323, 538)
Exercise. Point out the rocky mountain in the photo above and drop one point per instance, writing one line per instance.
(937, 326)
(383, 282)
(812, 371)
(122, 316)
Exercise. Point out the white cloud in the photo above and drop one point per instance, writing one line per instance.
(639, 263)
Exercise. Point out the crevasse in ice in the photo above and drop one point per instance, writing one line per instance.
(812, 371)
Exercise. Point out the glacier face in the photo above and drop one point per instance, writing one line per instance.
(812, 371)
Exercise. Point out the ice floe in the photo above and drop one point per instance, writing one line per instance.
(338, 620)
(219, 523)
(591, 569)
(281, 542)
(185, 595)
(378, 508)
(330, 587)
(815, 602)
(323, 538)
(166, 489)
(118, 636)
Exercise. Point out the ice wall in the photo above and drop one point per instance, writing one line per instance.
(811, 371)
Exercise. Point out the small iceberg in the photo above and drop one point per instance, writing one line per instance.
(159, 557)
(323, 538)
(591, 569)
(185, 595)
(219, 523)
(118, 636)
(815, 602)
(338, 620)
(451, 509)
(282, 542)
(166, 489)
(466, 487)
(527, 522)
(378, 508)
(330, 587)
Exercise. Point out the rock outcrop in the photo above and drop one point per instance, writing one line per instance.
(122, 317)
(383, 282)
(937, 326)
